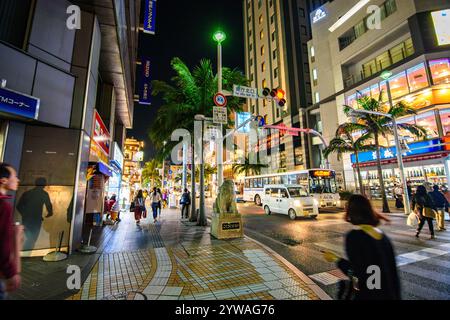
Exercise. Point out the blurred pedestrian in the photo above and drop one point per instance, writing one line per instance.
(139, 207)
(441, 204)
(160, 201)
(367, 246)
(398, 195)
(11, 236)
(424, 208)
(185, 202)
(155, 199)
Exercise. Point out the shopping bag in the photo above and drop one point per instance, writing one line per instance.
(412, 220)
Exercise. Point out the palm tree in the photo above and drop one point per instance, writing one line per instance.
(377, 126)
(150, 173)
(189, 94)
(344, 142)
(248, 168)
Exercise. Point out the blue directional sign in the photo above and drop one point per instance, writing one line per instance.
(18, 104)
(149, 16)
(145, 83)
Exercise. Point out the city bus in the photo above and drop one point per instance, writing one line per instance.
(321, 183)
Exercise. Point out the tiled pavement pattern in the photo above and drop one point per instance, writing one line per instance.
(194, 268)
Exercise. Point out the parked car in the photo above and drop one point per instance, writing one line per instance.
(292, 200)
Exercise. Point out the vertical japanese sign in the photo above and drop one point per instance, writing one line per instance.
(149, 16)
(145, 85)
(101, 136)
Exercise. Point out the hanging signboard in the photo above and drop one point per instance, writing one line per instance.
(18, 104)
(145, 84)
(101, 134)
(149, 16)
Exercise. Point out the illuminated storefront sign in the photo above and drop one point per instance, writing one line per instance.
(322, 173)
(319, 15)
(101, 134)
(117, 159)
(416, 148)
(441, 20)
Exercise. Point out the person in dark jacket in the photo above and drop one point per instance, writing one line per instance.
(441, 204)
(421, 201)
(371, 256)
(185, 203)
(9, 269)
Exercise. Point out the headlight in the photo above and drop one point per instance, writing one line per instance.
(297, 203)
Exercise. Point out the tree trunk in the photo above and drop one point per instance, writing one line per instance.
(358, 172)
(380, 177)
(193, 216)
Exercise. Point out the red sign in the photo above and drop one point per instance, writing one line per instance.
(220, 100)
(101, 134)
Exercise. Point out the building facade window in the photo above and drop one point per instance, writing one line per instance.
(274, 54)
(261, 35)
(317, 97)
(263, 67)
(260, 19)
(273, 35)
(272, 19)
(399, 85)
(302, 12)
(417, 77)
(303, 30)
(264, 83)
(440, 71)
(259, 4)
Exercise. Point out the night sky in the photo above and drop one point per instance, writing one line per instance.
(184, 29)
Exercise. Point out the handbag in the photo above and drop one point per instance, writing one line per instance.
(412, 220)
(132, 206)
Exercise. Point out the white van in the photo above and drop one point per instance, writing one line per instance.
(292, 200)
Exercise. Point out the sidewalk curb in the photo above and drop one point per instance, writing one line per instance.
(314, 287)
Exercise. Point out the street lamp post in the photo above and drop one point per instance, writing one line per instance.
(201, 219)
(219, 37)
(407, 207)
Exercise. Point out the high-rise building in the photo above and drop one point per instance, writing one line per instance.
(276, 55)
(398, 47)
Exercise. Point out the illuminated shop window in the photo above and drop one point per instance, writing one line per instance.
(375, 91)
(426, 120)
(440, 71)
(399, 85)
(445, 120)
(351, 100)
(417, 77)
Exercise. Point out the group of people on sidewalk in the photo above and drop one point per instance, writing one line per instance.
(142, 203)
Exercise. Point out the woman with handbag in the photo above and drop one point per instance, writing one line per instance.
(425, 210)
(139, 207)
(367, 246)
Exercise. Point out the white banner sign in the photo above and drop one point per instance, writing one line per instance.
(245, 92)
(220, 115)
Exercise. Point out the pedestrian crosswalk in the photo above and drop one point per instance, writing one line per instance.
(424, 264)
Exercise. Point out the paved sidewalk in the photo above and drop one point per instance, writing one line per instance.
(177, 260)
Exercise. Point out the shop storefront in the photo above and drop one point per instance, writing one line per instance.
(425, 162)
(116, 163)
(99, 172)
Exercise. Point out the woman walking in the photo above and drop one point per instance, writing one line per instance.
(424, 207)
(155, 198)
(139, 207)
(371, 257)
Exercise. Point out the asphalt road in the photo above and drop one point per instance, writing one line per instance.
(424, 264)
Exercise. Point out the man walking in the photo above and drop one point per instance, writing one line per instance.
(441, 204)
(185, 203)
(10, 242)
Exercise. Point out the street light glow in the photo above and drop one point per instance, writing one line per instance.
(219, 36)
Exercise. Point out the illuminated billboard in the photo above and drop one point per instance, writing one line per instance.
(441, 20)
